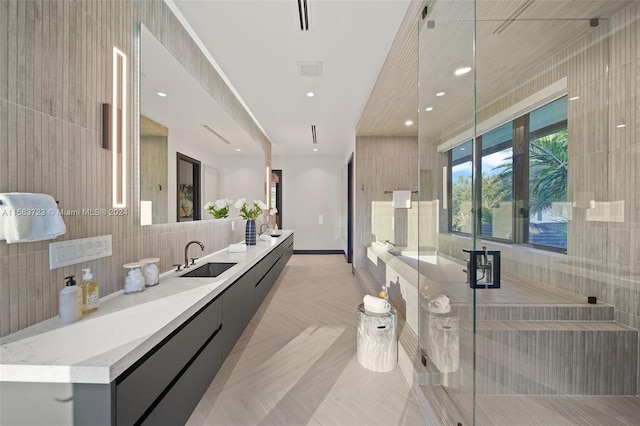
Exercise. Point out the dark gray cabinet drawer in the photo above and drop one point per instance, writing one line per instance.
(262, 267)
(143, 383)
(176, 406)
(264, 285)
(237, 310)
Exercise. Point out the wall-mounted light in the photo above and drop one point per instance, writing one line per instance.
(119, 129)
(462, 70)
(146, 213)
(268, 188)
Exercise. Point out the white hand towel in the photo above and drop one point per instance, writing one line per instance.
(401, 199)
(237, 248)
(29, 217)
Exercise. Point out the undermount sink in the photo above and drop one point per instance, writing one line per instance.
(211, 269)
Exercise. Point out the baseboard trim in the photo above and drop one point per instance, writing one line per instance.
(319, 252)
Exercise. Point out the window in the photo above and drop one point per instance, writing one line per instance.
(548, 158)
(523, 165)
(496, 209)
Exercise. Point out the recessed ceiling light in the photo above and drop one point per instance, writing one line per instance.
(408, 123)
(440, 94)
(575, 98)
(162, 94)
(620, 126)
(238, 149)
(428, 109)
(462, 70)
(310, 94)
(315, 149)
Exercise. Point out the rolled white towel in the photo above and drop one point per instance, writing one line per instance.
(237, 248)
(440, 305)
(375, 304)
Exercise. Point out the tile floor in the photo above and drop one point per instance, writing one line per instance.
(296, 364)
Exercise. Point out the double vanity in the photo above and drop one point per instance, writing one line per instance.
(144, 358)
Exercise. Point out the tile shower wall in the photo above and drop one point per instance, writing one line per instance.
(381, 164)
(55, 72)
(603, 165)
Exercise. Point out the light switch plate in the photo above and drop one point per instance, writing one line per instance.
(71, 252)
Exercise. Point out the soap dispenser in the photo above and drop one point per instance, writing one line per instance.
(90, 292)
(70, 301)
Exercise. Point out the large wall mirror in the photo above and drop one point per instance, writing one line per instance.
(179, 119)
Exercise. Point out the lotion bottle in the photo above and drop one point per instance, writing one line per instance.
(70, 301)
(90, 292)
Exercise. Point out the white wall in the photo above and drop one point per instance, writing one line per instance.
(242, 176)
(314, 185)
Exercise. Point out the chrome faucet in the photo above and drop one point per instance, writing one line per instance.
(264, 224)
(186, 249)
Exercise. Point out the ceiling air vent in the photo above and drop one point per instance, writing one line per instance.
(313, 133)
(215, 133)
(303, 13)
(310, 68)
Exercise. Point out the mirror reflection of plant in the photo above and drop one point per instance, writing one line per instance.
(252, 211)
(219, 209)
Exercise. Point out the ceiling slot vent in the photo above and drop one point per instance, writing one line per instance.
(215, 133)
(310, 68)
(303, 13)
(313, 133)
(513, 16)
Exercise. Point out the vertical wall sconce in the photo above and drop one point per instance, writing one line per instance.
(268, 188)
(146, 213)
(119, 128)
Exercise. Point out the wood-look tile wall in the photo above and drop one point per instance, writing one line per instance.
(604, 161)
(382, 164)
(55, 72)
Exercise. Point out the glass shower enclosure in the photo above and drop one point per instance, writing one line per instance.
(529, 159)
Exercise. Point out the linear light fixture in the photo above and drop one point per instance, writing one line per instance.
(215, 133)
(303, 13)
(313, 134)
(119, 128)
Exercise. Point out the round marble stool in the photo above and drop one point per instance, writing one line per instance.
(377, 340)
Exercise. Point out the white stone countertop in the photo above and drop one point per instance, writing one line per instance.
(103, 344)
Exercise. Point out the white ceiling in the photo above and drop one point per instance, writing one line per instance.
(187, 107)
(257, 45)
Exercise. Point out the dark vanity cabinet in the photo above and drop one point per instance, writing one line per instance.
(166, 383)
(270, 267)
(243, 298)
(238, 309)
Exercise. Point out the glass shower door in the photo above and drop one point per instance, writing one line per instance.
(533, 153)
(446, 153)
